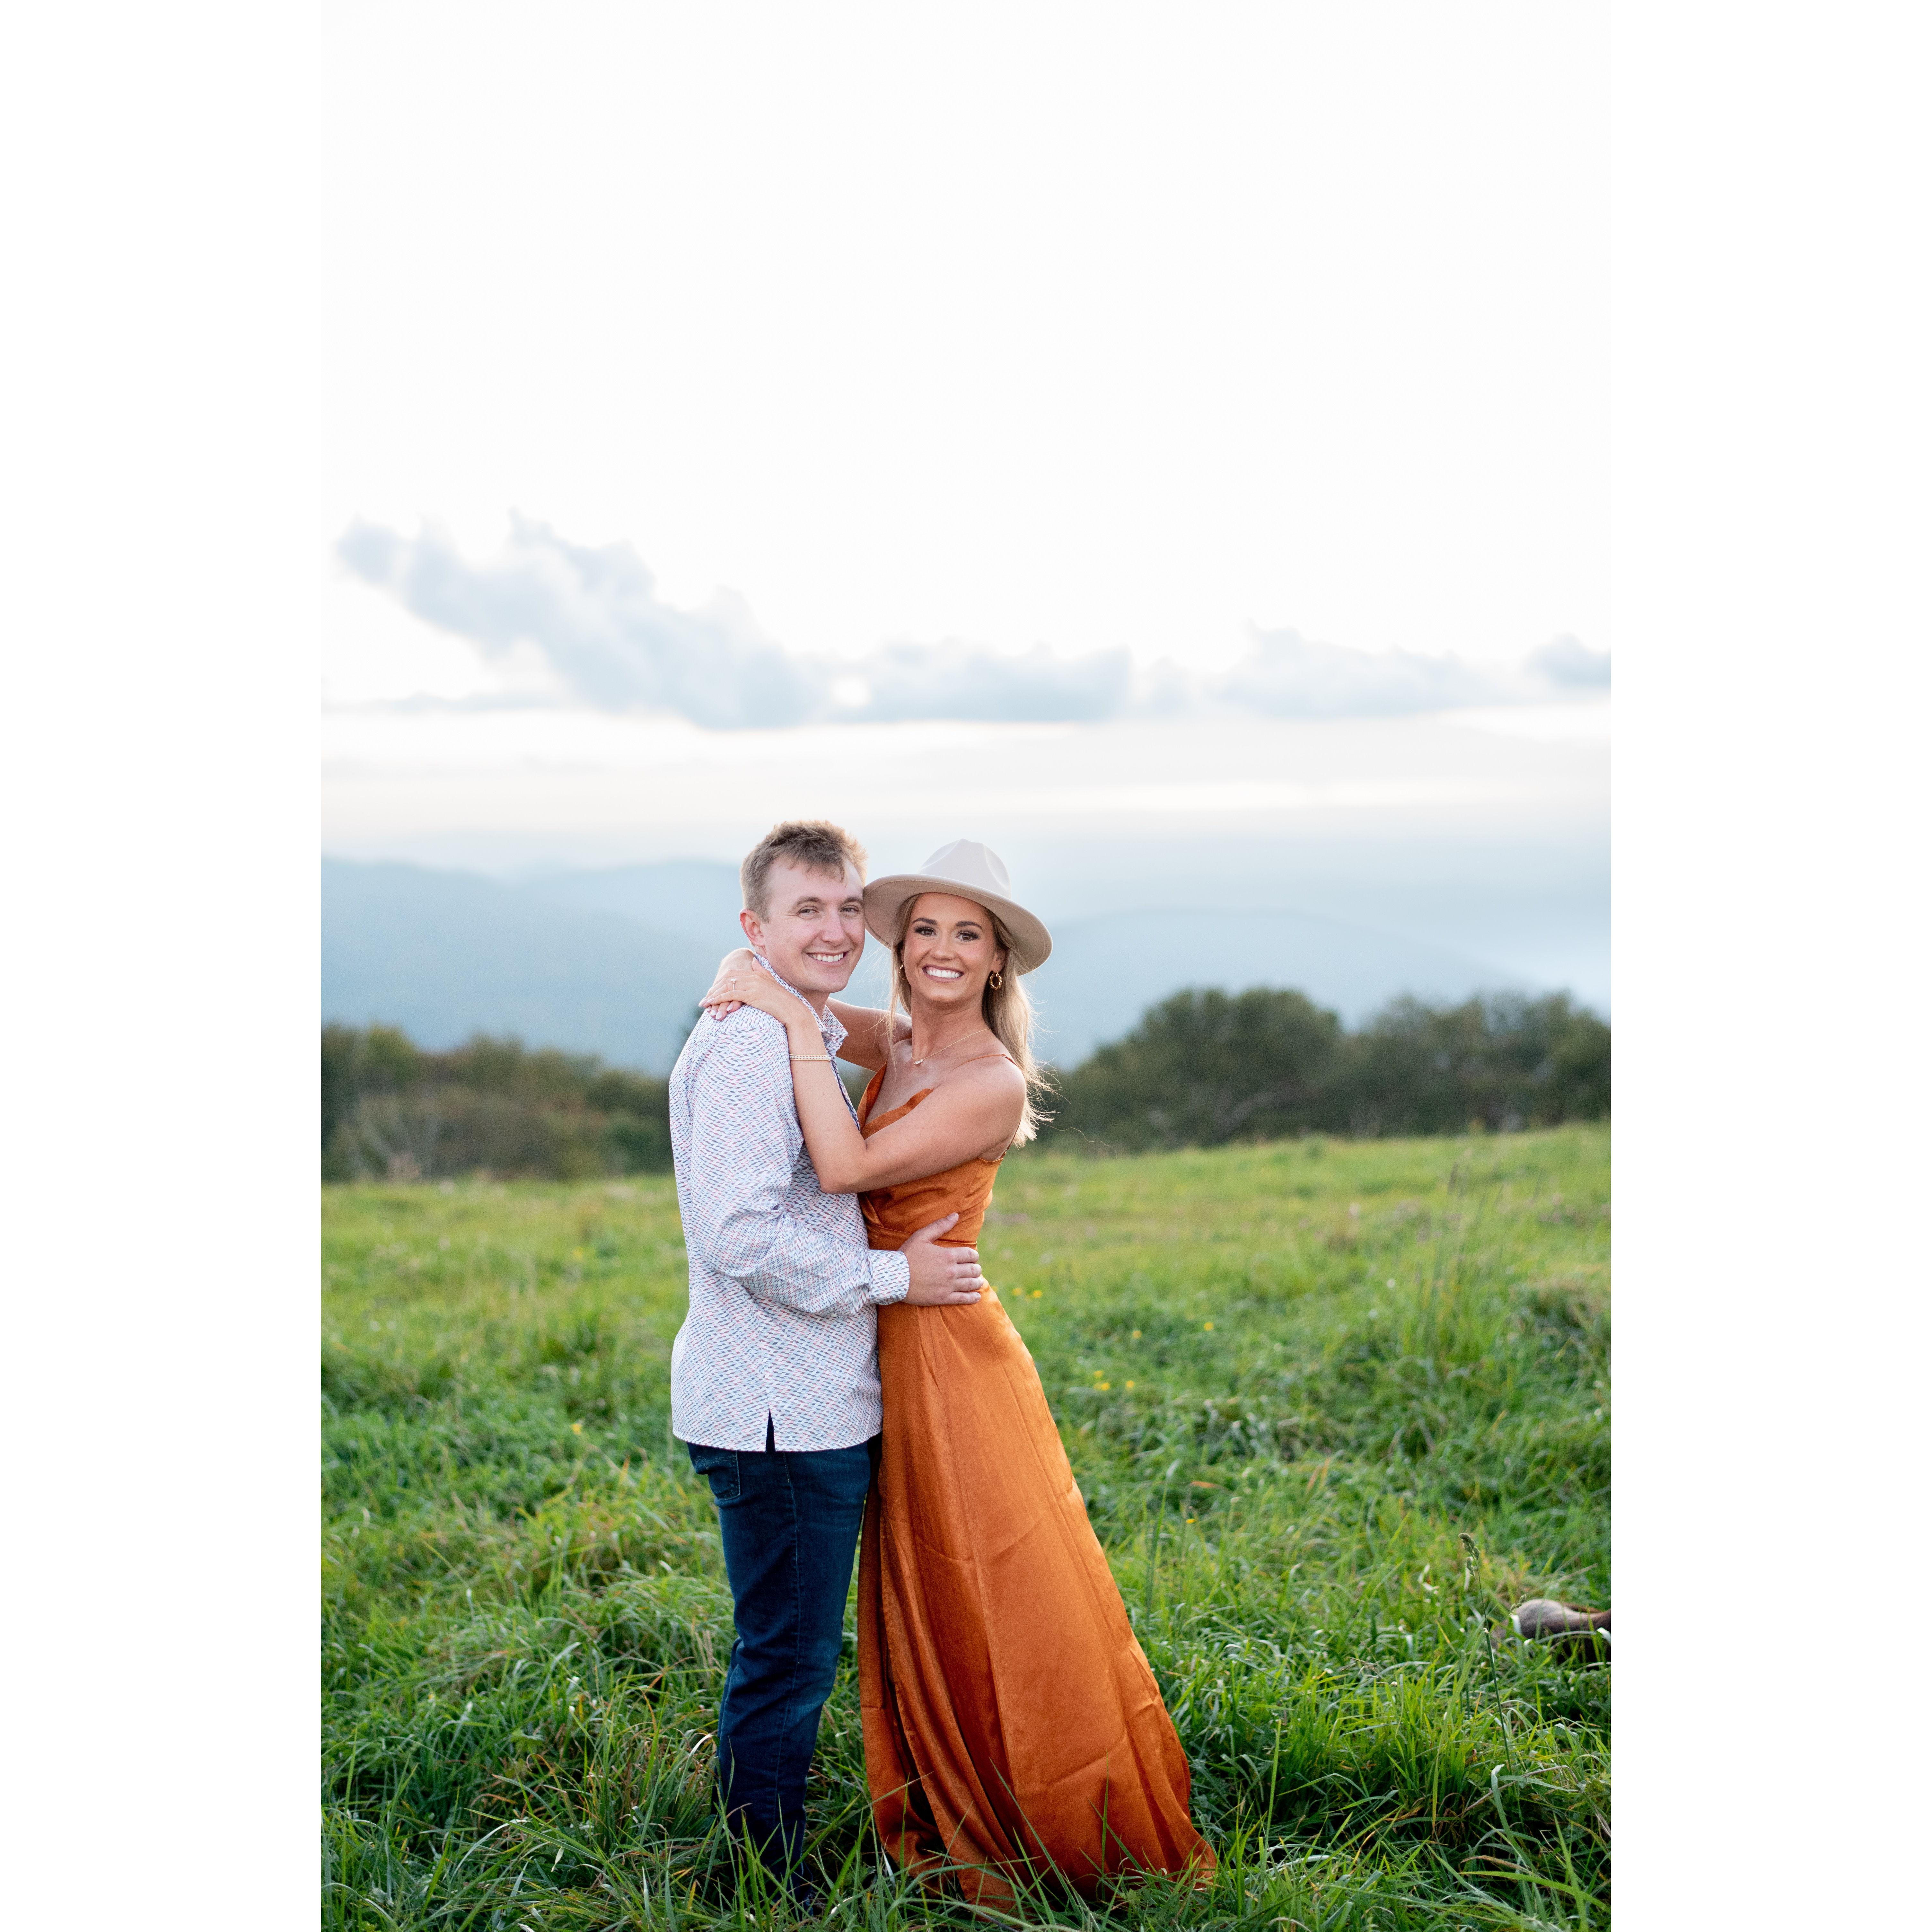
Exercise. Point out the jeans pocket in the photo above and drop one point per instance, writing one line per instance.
(719, 1468)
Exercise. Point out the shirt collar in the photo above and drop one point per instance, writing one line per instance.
(828, 1021)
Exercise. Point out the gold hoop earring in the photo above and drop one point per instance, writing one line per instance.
(994, 980)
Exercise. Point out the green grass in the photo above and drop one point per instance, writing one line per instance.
(1335, 1406)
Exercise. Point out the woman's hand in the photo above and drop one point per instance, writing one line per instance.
(722, 1005)
(748, 984)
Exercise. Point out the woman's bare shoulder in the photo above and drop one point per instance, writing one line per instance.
(982, 1082)
(999, 1068)
(996, 1094)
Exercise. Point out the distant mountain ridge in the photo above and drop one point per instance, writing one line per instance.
(698, 899)
(612, 962)
(445, 955)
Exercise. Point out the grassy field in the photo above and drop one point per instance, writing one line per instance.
(1335, 1407)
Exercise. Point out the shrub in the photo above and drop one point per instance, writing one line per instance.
(1205, 1067)
(389, 1108)
(1506, 1061)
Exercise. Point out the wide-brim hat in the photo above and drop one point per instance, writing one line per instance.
(972, 871)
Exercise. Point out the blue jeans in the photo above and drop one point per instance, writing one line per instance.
(789, 1521)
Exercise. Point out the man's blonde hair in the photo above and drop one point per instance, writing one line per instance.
(815, 844)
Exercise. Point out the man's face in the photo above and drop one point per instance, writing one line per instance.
(813, 930)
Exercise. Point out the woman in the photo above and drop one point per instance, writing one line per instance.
(1011, 1720)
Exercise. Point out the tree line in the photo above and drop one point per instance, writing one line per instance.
(1202, 1068)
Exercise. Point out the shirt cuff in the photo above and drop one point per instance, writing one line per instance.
(891, 1277)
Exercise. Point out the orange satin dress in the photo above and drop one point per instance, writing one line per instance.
(1011, 1720)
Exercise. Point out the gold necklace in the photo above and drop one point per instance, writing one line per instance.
(921, 1063)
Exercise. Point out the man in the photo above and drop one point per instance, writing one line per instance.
(774, 1377)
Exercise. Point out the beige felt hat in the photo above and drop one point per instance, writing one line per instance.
(973, 871)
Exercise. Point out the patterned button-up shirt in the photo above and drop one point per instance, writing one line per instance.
(784, 1290)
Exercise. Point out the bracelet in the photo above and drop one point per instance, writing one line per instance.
(814, 1059)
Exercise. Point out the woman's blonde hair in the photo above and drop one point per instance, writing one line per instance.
(1006, 1009)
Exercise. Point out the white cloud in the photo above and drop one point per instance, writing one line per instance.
(613, 643)
(1285, 676)
(1563, 662)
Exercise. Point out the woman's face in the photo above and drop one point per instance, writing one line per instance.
(950, 948)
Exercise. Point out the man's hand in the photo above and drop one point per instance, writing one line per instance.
(941, 1277)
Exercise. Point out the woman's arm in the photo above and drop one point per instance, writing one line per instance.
(870, 1032)
(973, 1113)
(832, 1136)
(720, 1004)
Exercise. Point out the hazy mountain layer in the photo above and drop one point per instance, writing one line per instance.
(1106, 971)
(612, 962)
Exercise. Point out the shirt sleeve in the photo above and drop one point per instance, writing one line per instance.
(745, 1144)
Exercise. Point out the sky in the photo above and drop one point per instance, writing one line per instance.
(1137, 439)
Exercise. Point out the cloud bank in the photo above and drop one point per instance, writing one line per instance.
(616, 646)
(596, 616)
